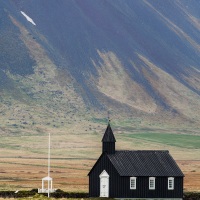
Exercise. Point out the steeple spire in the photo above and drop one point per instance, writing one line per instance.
(108, 140)
(108, 135)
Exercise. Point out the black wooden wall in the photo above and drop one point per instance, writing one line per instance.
(119, 187)
(122, 188)
(94, 180)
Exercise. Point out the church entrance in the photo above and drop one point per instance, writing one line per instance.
(104, 184)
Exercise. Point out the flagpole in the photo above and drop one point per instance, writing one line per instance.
(49, 166)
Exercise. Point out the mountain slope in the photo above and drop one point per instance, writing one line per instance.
(136, 58)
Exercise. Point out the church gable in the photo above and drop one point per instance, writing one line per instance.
(103, 163)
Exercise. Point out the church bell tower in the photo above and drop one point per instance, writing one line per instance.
(108, 141)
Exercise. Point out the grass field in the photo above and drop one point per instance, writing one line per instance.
(23, 158)
(177, 140)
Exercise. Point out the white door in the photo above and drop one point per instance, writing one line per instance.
(104, 187)
(104, 184)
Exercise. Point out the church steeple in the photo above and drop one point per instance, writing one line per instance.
(108, 140)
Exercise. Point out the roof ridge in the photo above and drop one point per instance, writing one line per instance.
(145, 163)
(142, 150)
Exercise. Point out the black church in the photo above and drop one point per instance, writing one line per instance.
(134, 174)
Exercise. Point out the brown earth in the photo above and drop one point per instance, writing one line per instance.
(70, 174)
(191, 170)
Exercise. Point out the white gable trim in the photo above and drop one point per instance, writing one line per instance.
(104, 174)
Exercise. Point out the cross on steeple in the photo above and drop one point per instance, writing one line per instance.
(108, 117)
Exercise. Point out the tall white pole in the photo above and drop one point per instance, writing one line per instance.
(49, 165)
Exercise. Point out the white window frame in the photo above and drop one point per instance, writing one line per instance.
(133, 183)
(152, 180)
(171, 185)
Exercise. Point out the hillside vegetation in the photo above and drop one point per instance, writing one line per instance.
(138, 59)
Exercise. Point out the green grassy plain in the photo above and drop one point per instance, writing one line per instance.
(176, 140)
(23, 157)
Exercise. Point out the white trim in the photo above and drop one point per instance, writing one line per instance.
(170, 183)
(133, 183)
(152, 183)
(104, 174)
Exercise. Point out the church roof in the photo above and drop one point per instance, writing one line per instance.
(108, 135)
(144, 163)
